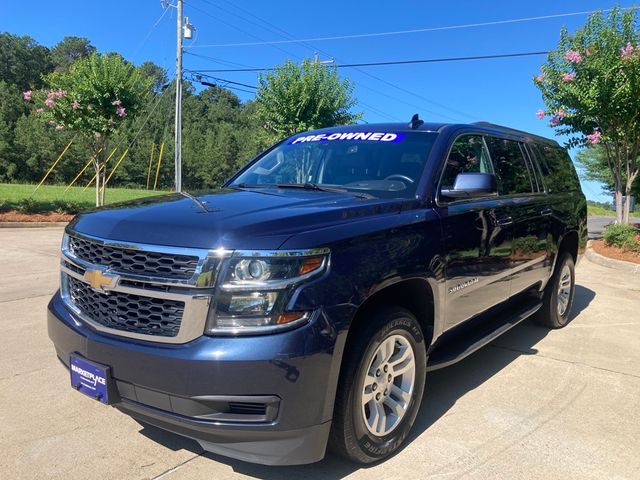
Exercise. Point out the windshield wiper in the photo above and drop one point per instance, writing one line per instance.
(321, 188)
(241, 185)
(194, 200)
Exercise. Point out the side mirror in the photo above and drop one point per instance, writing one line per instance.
(472, 185)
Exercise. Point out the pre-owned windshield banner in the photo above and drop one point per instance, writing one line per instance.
(384, 137)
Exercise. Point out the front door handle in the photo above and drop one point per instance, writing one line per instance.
(546, 212)
(504, 221)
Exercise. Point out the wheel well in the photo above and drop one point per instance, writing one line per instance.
(415, 295)
(570, 244)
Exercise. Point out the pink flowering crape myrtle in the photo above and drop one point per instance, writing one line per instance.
(573, 56)
(627, 51)
(594, 138)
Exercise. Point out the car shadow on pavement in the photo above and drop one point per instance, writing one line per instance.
(443, 389)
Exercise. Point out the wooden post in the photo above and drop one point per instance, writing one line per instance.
(115, 168)
(153, 148)
(52, 167)
(155, 183)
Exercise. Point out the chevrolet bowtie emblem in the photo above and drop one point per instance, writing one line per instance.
(99, 279)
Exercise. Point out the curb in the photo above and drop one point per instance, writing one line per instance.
(611, 262)
(33, 224)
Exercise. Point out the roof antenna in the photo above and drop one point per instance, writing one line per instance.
(415, 122)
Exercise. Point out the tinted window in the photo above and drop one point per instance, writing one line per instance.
(376, 163)
(556, 167)
(510, 166)
(468, 154)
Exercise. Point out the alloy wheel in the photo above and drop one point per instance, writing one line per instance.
(388, 385)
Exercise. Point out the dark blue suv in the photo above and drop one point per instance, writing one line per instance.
(303, 303)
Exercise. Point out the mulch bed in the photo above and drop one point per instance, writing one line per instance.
(14, 216)
(614, 252)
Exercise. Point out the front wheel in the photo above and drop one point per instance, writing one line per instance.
(381, 387)
(558, 295)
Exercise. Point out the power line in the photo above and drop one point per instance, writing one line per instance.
(402, 62)
(394, 62)
(404, 32)
(368, 74)
(271, 28)
(197, 77)
(219, 60)
(233, 26)
(146, 37)
(197, 74)
(209, 84)
(374, 109)
(274, 28)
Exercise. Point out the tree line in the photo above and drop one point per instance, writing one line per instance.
(219, 130)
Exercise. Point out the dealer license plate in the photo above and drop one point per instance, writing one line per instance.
(90, 378)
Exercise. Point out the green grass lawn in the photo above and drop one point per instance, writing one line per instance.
(52, 198)
(598, 211)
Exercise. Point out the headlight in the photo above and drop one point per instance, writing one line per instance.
(253, 291)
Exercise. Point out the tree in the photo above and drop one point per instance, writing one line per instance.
(218, 137)
(70, 49)
(295, 98)
(594, 166)
(11, 109)
(590, 85)
(23, 61)
(219, 131)
(156, 74)
(93, 99)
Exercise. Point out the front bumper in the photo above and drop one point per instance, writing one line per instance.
(194, 389)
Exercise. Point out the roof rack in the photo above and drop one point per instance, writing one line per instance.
(500, 127)
(514, 131)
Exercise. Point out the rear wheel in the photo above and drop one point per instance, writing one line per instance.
(558, 295)
(381, 387)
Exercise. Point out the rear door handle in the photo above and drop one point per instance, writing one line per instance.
(504, 221)
(545, 212)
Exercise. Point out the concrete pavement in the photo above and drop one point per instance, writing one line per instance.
(533, 404)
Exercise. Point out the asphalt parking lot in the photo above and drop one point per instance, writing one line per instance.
(533, 404)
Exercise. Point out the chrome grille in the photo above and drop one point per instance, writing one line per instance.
(127, 312)
(140, 262)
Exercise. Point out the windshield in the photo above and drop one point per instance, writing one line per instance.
(382, 164)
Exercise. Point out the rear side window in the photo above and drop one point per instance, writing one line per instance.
(556, 167)
(468, 154)
(510, 166)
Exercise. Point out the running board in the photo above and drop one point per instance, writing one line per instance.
(460, 346)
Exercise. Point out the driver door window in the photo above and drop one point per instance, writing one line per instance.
(468, 154)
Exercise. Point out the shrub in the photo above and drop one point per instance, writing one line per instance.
(626, 237)
(632, 245)
(27, 205)
(65, 206)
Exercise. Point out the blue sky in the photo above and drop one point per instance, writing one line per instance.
(500, 91)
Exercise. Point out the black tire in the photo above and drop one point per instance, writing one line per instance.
(550, 315)
(350, 435)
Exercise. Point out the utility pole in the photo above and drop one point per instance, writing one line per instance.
(178, 115)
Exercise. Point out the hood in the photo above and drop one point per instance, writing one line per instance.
(247, 219)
